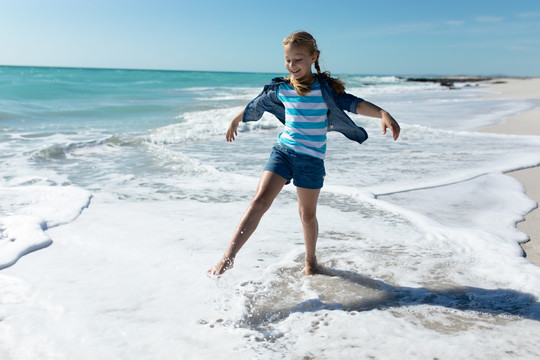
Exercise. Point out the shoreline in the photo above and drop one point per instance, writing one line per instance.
(525, 123)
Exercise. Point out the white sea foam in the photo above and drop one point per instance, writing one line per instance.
(393, 88)
(29, 211)
(202, 125)
(376, 80)
(431, 279)
(224, 94)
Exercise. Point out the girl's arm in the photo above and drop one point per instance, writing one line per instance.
(232, 131)
(368, 109)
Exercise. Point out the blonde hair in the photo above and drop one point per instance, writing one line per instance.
(307, 42)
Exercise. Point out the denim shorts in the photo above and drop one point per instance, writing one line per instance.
(305, 170)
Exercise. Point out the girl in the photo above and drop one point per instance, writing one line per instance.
(308, 105)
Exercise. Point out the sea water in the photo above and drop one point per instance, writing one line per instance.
(118, 192)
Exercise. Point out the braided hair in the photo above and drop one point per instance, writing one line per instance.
(306, 41)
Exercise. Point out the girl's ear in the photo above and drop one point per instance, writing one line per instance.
(315, 57)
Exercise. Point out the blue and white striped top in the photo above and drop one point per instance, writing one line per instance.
(306, 120)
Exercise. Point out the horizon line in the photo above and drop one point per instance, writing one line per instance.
(261, 72)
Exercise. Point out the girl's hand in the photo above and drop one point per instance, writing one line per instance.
(388, 122)
(232, 131)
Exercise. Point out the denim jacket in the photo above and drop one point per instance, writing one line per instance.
(267, 100)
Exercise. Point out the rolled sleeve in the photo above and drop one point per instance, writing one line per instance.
(251, 112)
(348, 102)
(268, 101)
(354, 103)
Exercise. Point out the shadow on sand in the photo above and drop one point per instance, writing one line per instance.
(497, 302)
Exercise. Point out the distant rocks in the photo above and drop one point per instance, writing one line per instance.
(450, 81)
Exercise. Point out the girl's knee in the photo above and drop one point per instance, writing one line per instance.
(308, 216)
(261, 203)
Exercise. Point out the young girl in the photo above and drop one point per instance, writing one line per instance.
(308, 105)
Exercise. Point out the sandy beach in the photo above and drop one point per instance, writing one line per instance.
(526, 123)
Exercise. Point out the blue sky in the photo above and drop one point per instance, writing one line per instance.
(473, 37)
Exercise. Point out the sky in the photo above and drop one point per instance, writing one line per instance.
(382, 37)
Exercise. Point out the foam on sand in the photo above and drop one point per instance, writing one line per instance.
(33, 210)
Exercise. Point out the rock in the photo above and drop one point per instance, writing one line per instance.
(449, 81)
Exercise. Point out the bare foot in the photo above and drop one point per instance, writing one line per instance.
(311, 266)
(223, 265)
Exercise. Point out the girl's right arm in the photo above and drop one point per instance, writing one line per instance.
(232, 131)
(387, 121)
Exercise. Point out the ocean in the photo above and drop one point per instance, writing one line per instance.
(118, 192)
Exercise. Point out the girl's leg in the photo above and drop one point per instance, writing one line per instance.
(269, 187)
(307, 206)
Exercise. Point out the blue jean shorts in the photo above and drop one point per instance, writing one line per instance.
(306, 171)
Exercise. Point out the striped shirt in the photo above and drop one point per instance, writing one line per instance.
(306, 120)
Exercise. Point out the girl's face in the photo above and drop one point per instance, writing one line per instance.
(298, 61)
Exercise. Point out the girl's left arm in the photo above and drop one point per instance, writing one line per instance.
(368, 109)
